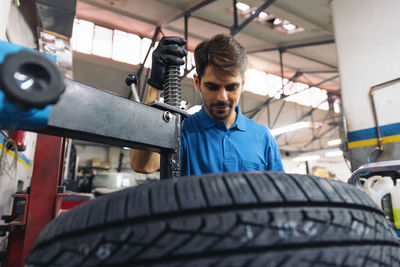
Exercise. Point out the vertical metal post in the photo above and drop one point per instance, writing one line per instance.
(170, 164)
(307, 167)
(46, 174)
(15, 248)
(186, 38)
(281, 64)
(235, 15)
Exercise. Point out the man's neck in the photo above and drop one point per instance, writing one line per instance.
(231, 119)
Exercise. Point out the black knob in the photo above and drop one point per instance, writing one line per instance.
(30, 80)
(130, 79)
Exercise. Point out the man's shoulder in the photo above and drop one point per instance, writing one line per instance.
(190, 122)
(255, 126)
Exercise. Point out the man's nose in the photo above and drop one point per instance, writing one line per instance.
(222, 95)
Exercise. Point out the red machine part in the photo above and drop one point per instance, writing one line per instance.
(33, 211)
(49, 160)
(19, 138)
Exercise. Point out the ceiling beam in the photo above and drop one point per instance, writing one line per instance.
(326, 80)
(312, 59)
(187, 12)
(235, 30)
(317, 71)
(286, 47)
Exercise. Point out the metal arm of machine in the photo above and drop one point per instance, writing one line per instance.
(80, 111)
(87, 113)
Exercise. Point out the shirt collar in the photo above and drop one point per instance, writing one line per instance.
(208, 122)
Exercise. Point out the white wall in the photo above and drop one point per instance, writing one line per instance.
(367, 36)
(9, 178)
(4, 9)
(18, 30)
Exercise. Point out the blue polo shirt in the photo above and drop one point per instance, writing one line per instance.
(208, 147)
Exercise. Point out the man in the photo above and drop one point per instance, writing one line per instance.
(219, 138)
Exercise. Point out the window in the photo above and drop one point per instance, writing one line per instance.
(102, 42)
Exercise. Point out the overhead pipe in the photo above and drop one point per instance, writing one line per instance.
(371, 95)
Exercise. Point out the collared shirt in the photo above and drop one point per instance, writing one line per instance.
(209, 147)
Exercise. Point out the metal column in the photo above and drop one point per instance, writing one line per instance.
(46, 177)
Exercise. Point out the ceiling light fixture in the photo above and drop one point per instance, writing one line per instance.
(242, 6)
(334, 142)
(290, 128)
(307, 158)
(289, 27)
(263, 15)
(277, 21)
(335, 153)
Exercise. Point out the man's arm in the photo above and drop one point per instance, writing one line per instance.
(168, 52)
(145, 161)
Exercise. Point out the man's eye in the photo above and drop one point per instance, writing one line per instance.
(231, 87)
(212, 87)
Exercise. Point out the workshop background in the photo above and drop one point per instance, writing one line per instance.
(314, 66)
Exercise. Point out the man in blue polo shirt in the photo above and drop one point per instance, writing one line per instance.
(219, 138)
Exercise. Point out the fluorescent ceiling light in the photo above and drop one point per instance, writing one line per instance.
(194, 109)
(242, 6)
(307, 158)
(262, 15)
(125, 147)
(334, 142)
(290, 128)
(277, 21)
(335, 153)
(289, 27)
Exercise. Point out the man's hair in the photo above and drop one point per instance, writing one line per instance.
(221, 52)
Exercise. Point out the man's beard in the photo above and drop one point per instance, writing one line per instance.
(220, 110)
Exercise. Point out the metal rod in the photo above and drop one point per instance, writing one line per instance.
(324, 81)
(319, 136)
(235, 30)
(313, 60)
(281, 51)
(318, 71)
(212, 22)
(371, 95)
(292, 46)
(186, 72)
(378, 130)
(186, 38)
(279, 113)
(235, 15)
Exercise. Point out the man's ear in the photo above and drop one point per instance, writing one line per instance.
(196, 82)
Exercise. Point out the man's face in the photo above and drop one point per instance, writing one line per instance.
(220, 93)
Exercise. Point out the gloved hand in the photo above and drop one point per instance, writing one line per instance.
(168, 52)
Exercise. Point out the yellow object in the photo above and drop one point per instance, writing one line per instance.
(396, 217)
(374, 141)
(395, 194)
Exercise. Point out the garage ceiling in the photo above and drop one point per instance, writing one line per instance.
(311, 52)
(318, 62)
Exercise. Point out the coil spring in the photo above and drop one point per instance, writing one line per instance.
(172, 87)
